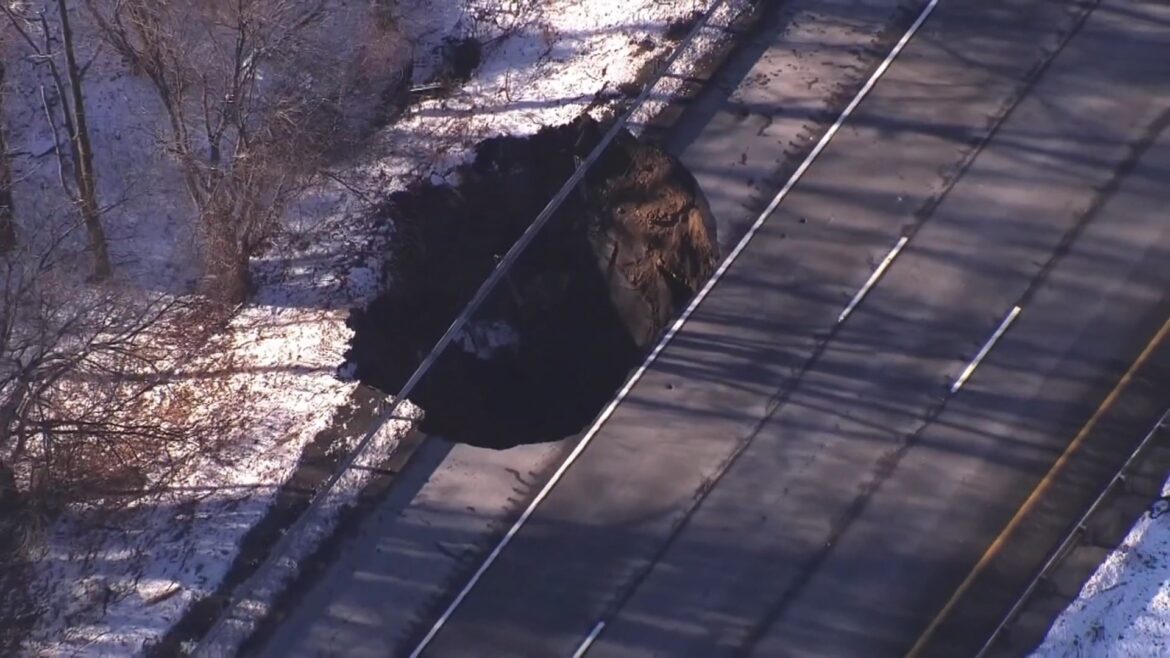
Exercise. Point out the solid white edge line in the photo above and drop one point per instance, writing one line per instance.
(674, 329)
(584, 648)
(1003, 327)
(873, 279)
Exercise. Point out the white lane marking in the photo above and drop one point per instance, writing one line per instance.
(1003, 326)
(584, 648)
(873, 279)
(674, 329)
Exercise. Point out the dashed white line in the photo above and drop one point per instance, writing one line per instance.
(584, 648)
(1003, 327)
(670, 334)
(873, 279)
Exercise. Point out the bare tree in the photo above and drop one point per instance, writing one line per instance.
(238, 80)
(82, 369)
(82, 149)
(70, 98)
(7, 213)
(93, 404)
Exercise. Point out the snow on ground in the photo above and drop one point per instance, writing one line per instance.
(1124, 608)
(110, 590)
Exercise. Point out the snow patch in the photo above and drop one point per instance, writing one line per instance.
(1124, 608)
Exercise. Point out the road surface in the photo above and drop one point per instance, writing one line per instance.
(451, 503)
(779, 483)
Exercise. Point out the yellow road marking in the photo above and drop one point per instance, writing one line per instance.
(997, 545)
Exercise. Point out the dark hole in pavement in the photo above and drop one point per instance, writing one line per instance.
(593, 291)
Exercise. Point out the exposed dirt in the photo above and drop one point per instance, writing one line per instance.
(681, 27)
(627, 249)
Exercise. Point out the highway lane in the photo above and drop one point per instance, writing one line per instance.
(744, 134)
(1126, 259)
(979, 460)
(954, 475)
(878, 381)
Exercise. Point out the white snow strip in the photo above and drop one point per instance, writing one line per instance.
(1124, 608)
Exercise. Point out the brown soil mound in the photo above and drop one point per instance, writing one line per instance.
(596, 287)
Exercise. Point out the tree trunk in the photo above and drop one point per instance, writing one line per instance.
(229, 278)
(7, 215)
(9, 492)
(240, 278)
(83, 152)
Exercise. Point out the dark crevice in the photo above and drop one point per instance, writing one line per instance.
(591, 293)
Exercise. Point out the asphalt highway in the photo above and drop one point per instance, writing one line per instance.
(782, 482)
(755, 118)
